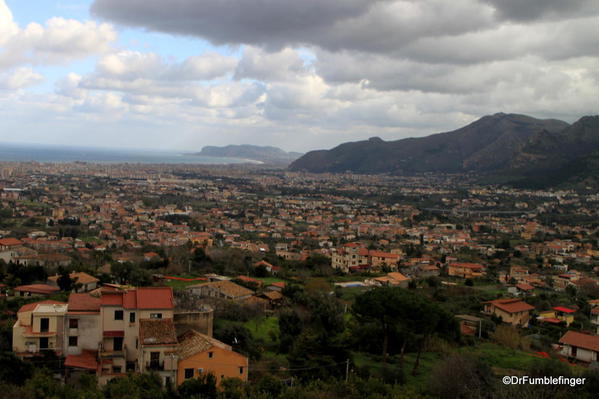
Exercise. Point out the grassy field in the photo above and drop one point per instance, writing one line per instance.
(179, 285)
(263, 328)
(501, 357)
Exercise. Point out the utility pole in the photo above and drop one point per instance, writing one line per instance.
(347, 370)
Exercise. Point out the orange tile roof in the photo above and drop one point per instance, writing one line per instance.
(155, 298)
(37, 289)
(86, 360)
(511, 305)
(9, 242)
(580, 340)
(140, 298)
(83, 303)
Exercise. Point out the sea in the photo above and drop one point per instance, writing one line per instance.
(44, 153)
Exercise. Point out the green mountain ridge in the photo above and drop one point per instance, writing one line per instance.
(499, 144)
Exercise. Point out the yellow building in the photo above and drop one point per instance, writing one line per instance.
(200, 354)
(39, 327)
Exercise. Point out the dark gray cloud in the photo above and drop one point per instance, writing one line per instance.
(525, 10)
(270, 23)
(365, 25)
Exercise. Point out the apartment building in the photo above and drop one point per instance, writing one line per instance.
(39, 327)
(115, 332)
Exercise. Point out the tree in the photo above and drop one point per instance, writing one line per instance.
(204, 386)
(406, 314)
(65, 282)
(290, 326)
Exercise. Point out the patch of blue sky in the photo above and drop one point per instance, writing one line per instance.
(175, 48)
(26, 11)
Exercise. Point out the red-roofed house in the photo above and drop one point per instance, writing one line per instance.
(512, 311)
(35, 290)
(8, 243)
(583, 347)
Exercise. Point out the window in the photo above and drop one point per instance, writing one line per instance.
(188, 373)
(117, 344)
(72, 341)
(132, 317)
(241, 370)
(116, 369)
(210, 355)
(73, 323)
(43, 342)
(44, 324)
(118, 315)
(155, 315)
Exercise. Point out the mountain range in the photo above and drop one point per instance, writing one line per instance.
(512, 148)
(264, 154)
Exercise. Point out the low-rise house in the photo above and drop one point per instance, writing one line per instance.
(465, 270)
(39, 290)
(221, 289)
(580, 346)
(83, 282)
(512, 311)
(200, 354)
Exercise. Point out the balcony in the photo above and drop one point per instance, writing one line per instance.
(109, 354)
(155, 366)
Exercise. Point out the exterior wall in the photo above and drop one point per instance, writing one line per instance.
(516, 319)
(88, 333)
(108, 321)
(223, 364)
(584, 355)
(199, 321)
(167, 358)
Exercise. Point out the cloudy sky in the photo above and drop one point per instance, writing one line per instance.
(301, 75)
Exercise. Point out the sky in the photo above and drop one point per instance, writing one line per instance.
(300, 75)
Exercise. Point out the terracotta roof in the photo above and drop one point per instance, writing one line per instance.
(511, 305)
(37, 288)
(228, 288)
(83, 303)
(9, 242)
(30, 306)
(154, 298)
(397, 276)
(157, 332)
(580, 340)
(140, 298)
(273, 295)
(86, 360)
(525, 287)
(193, 342)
